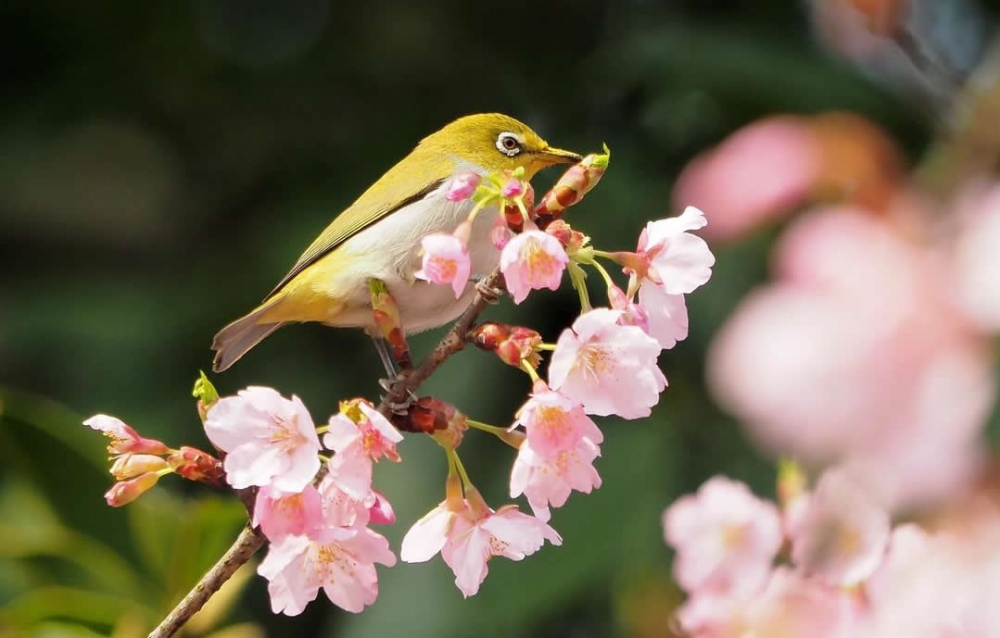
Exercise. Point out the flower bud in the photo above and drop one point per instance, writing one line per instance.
(462, 186)
(125, 492)
(572, 240)
(206, 395)
(574, 184)
(512, 188)
(131, 465)
(195, 465)
(381, 512)
(513, 344)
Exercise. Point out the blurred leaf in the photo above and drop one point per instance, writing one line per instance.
(69, 603)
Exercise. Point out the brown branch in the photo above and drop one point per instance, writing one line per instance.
(251, 540)
(246, 545)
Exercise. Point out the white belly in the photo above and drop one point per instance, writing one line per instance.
(392, 248)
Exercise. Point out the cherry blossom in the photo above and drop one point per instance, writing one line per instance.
(606, 367)
(554, 423)
(679, 262)
(279, 514)
(469, 536)
(122, 438)
(339, 560)
(530, 261)
(666, 315)
(445, 261)
(124, 492)
(548, 479)
(357, 445)
(268, 440)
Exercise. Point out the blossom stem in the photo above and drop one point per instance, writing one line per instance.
(605, 255)
(604, 273)
(579, 280)
(485, 427)
(531, 371)
(549, 347)
(322, 429)
(457, 462)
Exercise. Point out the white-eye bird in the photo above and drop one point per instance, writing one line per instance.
(379, 235)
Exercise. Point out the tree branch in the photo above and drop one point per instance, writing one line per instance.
(251, 540)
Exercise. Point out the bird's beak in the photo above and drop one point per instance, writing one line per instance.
(558, 156)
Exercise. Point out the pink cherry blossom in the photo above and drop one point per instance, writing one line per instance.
(725, 539)
(548, 479)
(512, 188)
(357, 446)
(667, 316)
(268, 439)
(842, 534)
(339, 560)
(462, 186)
(678, 260)
(122, 438)
(468, 537)
(606, 367)
(340, 509)
(279, 514)
(445, 261)
(530, 261)
(553, 423)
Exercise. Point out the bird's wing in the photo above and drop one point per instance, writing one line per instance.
(367, 210)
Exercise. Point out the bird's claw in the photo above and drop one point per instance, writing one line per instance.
(397, 407)
(490, 294)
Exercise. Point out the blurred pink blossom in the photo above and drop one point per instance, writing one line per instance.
(842, 534)
(856, 355)
(977, 258)
(606, 367)
(792, 606)
(725, 538)
(755, 176)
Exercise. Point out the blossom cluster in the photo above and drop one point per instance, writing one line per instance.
(844, 570)
(314, 497)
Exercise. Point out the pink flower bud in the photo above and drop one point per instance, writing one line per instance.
(381, 513)
(125, 492)
(500, 234)
(462, 186)
(513, 344)
(512, 188)
(195, 465)
(572, 240)
(130, 465)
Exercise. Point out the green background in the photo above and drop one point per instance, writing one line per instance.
(163, 164)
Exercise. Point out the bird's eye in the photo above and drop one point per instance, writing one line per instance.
(508, 144)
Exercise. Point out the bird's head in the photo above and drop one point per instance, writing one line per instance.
(495, 142)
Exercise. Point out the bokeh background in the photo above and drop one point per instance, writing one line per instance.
(163, 164)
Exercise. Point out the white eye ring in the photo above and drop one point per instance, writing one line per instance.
(503, 141)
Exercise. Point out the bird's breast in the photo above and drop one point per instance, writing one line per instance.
(390, 250)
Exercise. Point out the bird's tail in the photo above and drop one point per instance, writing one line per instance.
(236, 339)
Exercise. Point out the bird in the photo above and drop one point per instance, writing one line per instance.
(378, 237)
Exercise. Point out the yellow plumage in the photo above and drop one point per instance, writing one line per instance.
(378, 236)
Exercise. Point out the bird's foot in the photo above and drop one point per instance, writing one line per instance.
(392, 388)
(490, 294)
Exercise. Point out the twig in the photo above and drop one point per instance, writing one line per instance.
(250, 540)
(246, 545)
